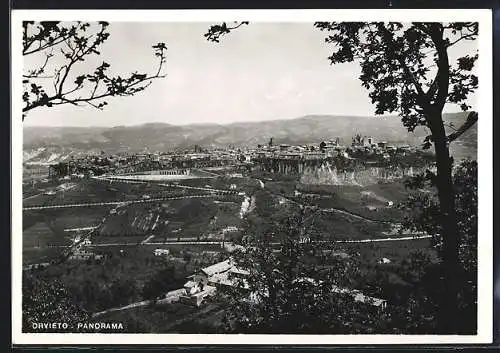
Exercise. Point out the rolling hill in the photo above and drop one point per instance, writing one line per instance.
(164, 137)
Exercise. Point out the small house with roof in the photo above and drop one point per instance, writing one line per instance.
(206, 281)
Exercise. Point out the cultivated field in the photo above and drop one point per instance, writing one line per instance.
(96, 191)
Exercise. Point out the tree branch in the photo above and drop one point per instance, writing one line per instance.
(432, 89)
(79, 45)
(216, 31)
(470, 35)
(37, 72)
(45, 46)
(412, 78)
(93, 105)
(471, 120)
(450, 125)
(237, 26)
(391, 44)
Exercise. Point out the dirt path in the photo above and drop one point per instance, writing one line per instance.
(417, 237)
(170, 297)
(145, 241)
(168, 243)
(80, 229)
(32, 196)
(130, 306)
(354, 215)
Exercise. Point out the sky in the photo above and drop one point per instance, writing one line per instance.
(263, 71)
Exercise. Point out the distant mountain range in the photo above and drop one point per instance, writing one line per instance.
(165, 137)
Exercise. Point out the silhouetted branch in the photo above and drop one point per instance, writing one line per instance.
(75, 43)
(471, 120)
(216, 31)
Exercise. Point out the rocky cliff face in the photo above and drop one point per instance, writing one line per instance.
(329, 173)
(361, 176)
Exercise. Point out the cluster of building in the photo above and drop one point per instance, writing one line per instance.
(130, 163)
(361, 148)
(80, 251)
(205, 283)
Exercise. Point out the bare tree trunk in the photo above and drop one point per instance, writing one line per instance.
(449, 315)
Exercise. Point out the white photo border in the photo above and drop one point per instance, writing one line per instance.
(485, 161)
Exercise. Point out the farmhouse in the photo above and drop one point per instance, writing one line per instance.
(230, 229)
(84, 255)
(205, 282)
(161, 252)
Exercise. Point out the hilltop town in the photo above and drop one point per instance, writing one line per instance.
(364, 149)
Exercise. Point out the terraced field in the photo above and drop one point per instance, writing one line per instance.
(370, 201)
(39, 255)
(133, 220)
(338, 226)
(42, 241)
(95, 191)
(67, 218)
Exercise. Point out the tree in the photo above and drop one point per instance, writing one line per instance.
(48, 302)
(280, 293)
(58, 48)
(406, 69)
(423, 211)
(396, 62)
(122, 291)
(160, 283)
(60, 169)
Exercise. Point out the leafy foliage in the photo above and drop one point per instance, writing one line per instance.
(216, 31)
(160, 283)
(423, 211)
(425, 216)
(398, 64)
(406, 69)
(289, 290)
(48, 302)
(61, 47)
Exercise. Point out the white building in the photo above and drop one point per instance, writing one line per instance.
(205, 282)
(161, 252)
